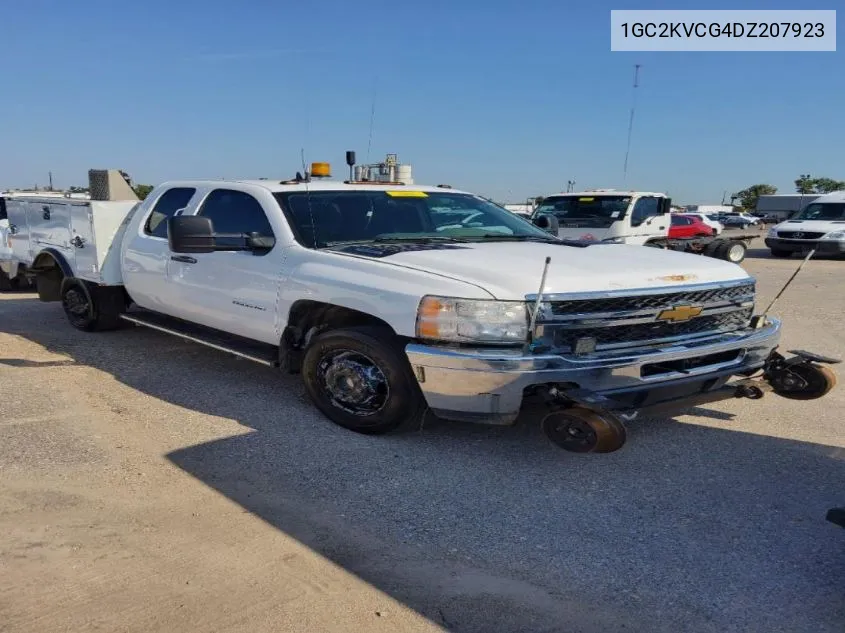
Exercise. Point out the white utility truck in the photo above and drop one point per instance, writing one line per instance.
(391, 300)
(628, 217)
(819, 226)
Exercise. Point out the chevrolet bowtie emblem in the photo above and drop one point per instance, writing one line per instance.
(680, 313)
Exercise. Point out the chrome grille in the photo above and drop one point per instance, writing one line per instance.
(639, 333)
(744, 292)
(631, 320)
(800, 235)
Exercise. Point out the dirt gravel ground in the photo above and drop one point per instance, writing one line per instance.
(148, 484)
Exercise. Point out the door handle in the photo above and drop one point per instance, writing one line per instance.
(184, 259)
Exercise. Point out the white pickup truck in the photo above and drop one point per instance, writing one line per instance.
(391, 300)
(629, 217)
(820, 225)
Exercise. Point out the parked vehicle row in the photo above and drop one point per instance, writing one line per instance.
(391, 301)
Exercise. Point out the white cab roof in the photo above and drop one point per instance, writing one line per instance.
(836, 196)
(606, 192)
(317, 184)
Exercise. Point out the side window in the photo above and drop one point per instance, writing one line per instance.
(235, 212)
(169, 203)
(3, 214)
(679, 221)
(645, 208)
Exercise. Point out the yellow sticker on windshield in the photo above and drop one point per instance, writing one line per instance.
(585, 199)
(401, 193)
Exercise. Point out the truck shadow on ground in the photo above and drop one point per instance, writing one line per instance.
(687, 528)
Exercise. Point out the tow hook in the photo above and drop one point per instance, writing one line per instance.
(802, 377)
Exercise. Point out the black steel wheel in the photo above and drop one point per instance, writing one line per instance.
(78, 306)
(361, 380)
(805, 381)
(88, 310)
(583, 431)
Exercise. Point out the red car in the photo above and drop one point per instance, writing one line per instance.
(688, 226)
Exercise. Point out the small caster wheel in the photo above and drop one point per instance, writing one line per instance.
(581, 430)
(804, 381)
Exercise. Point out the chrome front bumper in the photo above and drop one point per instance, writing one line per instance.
(487, 385)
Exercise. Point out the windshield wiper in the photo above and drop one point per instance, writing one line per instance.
(501, 237)
(427, 239)
(498, 237)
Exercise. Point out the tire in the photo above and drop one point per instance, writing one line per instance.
(820, 381)
(776, 252)
(711, 249)
(372, 358)
(5, 282)
(732, 251)
(581, 431)
(86, 313)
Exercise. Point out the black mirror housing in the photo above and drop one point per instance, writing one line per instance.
(260, 242)
(547, 222)
(190, 234)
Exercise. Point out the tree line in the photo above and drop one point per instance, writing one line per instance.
(804, 184)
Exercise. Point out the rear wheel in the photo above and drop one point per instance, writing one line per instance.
(84, 311)
(5, 282)
(733, 252)
(360, 379)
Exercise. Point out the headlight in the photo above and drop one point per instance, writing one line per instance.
(836, 235)
(472, 321)
(773, 232)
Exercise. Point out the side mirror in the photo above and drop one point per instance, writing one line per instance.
(190, 234)
(547, 223)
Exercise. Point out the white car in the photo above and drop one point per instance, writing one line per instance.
(717, 226)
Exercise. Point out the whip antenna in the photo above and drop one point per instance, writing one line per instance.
(631, 121)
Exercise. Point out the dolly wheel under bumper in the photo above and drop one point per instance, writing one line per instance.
(803, 381)
(580, 430)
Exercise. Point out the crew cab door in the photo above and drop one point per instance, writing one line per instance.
(234, 291)
(647, 221)
(147, 254)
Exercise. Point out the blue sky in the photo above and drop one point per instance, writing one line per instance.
(508, 99)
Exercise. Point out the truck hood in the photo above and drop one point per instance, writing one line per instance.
(511, 270)
(815, 226)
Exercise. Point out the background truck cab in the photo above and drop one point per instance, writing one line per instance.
(629, 217)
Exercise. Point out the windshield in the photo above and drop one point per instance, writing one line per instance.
(822, 211)
(594, 212)
(323, 218)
